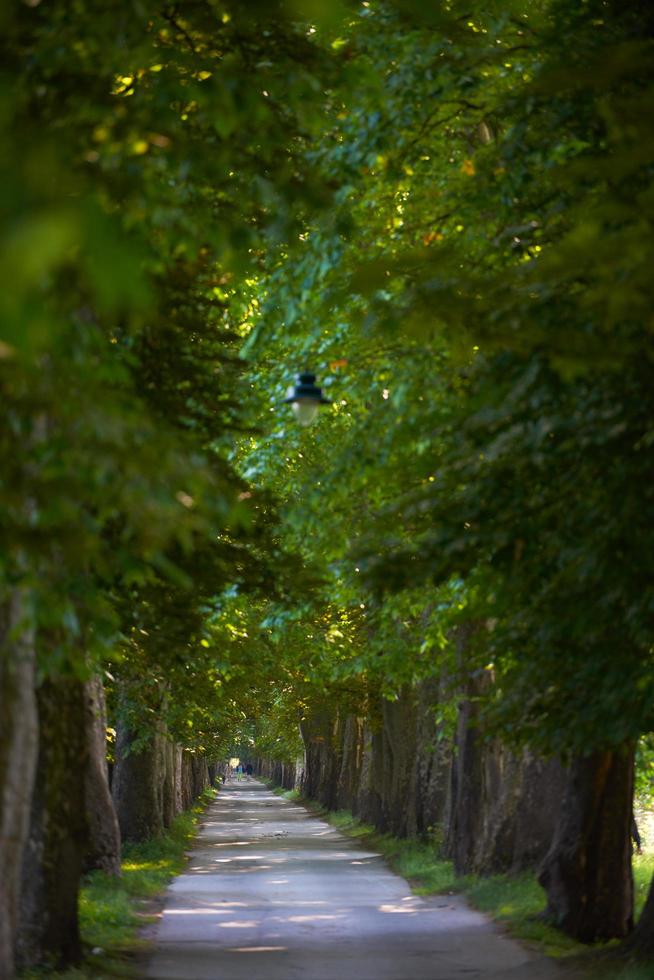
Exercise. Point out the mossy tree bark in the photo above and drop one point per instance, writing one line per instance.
(433, 761)
(399, 788)
(137, 785)
(18, 758)
(199, 775)
(104, 833)
(186, 777)
(369, 802)
(322, 750)
(467, 777)
(587, 872)
(539, 792)
(169, 804)
(54, 854)
(178, 758)
(504, 807)
(349, 775)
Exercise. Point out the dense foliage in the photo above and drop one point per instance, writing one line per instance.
(145, 159)
(446, 212)
(478, 305)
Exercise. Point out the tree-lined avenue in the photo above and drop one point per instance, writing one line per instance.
(271, 891)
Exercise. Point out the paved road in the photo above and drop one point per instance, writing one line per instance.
(272, 893)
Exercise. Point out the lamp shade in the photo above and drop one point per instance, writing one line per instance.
(305, 398)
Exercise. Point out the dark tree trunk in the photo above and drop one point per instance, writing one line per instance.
(200, 776)
(463, 812)
(587, 872)
(54, 855)
(467, 778)
(399, 785)
(433, 762)
(541, 790)
(136, 787)
(18, 759)
(104, 833)
(320, 734)
(369, 805)
(178, 756)
(503, 808)
(186, 781)
(289, 775)
(169, 810)
(349, 776)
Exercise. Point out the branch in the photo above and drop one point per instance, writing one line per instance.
(170, 16)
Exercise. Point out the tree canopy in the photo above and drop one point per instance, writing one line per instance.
(446, 212)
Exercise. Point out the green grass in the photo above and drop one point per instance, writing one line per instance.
(643, 865)
(287, 794)
(415, 860)
(516, 902)
(114, 910)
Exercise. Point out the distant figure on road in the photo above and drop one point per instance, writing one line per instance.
(249, 769)
(635, 836)
(239, 772)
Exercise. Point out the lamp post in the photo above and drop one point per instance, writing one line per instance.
(305, 398)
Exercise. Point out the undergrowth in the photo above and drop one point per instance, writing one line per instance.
(643, 865)
(288, 794)
(113, 910)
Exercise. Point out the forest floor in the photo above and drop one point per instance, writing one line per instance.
(272, 891)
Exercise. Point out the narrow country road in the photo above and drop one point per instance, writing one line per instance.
(271, 892)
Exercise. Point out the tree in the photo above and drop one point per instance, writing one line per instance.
(128, 128)
(500, 195)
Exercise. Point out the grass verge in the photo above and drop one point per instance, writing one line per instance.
(114, 910)
(288, 794)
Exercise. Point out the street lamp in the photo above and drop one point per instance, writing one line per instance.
(305, 398)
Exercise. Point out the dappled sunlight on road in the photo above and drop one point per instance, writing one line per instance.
(319, 905)
(312, 918)
(256, 949)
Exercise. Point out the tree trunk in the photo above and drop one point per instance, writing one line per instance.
(200, 776)
(467, 777)
(187, 781)
(351, 760)
(18, 757)
(433, 762)
(587, 872)
(104, 833)
(169, 794)
(54, 855)
(369, 798)
(541, 790)
(179, 769)
(399, 785)
(136, 787)
(320, 734)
